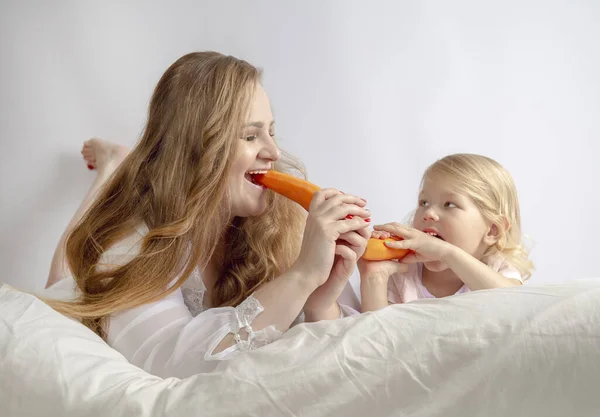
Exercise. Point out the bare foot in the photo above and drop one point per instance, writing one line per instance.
(103, 155)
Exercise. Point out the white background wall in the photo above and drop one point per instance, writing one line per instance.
(367, 94)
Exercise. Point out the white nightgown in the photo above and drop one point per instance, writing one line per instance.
(177, 335)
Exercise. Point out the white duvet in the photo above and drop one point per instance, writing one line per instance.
(527, 351)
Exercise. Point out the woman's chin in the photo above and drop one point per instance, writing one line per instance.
(253, 209)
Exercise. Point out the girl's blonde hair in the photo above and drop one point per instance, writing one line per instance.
(175, 181)
(493, 190)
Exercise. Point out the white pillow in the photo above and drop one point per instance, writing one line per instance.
(527, 351)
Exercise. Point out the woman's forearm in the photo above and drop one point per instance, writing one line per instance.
(282, 299)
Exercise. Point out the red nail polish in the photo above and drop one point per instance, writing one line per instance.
(90, 167)
(349, 216)
(368, 220)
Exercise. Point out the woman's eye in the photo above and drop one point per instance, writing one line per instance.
(251, 138)
(272, 134)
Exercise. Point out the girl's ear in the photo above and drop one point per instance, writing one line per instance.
(496, 231)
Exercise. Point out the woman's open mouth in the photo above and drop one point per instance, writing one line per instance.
(251, 175)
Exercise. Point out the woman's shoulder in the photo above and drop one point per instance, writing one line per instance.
(125, 249)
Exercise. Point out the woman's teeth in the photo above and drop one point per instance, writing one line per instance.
(250, 175)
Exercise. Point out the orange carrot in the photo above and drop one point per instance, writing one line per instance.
(302, 191)
(377, 251)
(294, 188)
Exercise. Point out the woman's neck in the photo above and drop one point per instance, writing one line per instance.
(441, 284)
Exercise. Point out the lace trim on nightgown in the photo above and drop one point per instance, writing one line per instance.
(245, 314)
(193, 295)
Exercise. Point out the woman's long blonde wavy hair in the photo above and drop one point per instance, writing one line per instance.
(175, 181)
(492, 189)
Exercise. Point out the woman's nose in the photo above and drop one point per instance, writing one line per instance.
(270, 151)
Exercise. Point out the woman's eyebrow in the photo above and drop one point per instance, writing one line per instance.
(259, 124)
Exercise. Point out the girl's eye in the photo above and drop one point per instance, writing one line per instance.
(423, 203)
(449, 204)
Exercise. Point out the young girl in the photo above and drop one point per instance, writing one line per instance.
(466, 235)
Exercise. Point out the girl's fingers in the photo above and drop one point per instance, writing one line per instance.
(394, 229)
(380, 235)
(398, 244)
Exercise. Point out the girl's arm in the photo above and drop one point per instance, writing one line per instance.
(373, 293)
(475, 274)
(374, 277)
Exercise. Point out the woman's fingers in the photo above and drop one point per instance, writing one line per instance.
(354, 238)
(365, 233)
(345, 252)
(348, 211)
(328, 198)
(355, 224)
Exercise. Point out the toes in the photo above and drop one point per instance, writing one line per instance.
(88, 152)
(90, 159)
(89, 144)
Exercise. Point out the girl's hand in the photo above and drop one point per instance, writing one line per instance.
(374, 276)
(426, 248)
(379, 271)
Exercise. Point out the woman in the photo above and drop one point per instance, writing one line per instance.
(181, 260)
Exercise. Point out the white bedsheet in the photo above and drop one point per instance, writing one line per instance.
(527, 351)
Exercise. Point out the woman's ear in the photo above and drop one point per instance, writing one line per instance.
(496, 231)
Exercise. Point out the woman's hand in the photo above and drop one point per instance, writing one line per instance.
(327, 222)
(349, 248)
(322, 304)
(334, 238)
